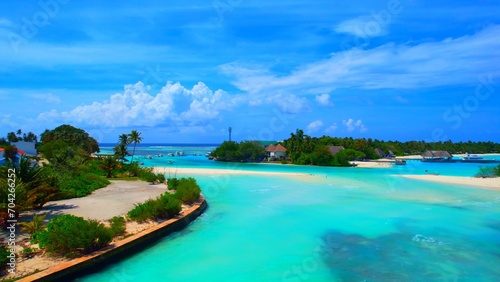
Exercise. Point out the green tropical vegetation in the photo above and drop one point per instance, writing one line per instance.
(167, 205)
(34, 227)
(71, 236)
(303, 149)
(164, 206)
(488, 172)
(246, 151)
(187, 190)
(9, 152)
(135, 138)
(4, 259)
(117, 225)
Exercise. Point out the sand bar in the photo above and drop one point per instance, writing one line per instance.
(491, 183)
(214, 171)
(374, 164)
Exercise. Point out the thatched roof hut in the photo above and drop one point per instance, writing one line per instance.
(436, 155)
(380, 153)
(335, 149)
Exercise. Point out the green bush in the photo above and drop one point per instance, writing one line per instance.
(78, 184)
(187, 190)
(117, 225)
(4, 252)
(164, 206)
(168, 205)
(148, 177)
(143, 211)
(71, 235)
(160, 177)
(487, 172)
(172, 183)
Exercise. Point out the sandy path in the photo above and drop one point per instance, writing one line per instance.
(114, 200)
(492, 183)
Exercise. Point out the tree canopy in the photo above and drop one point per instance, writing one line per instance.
(72, 136)
(246, 151)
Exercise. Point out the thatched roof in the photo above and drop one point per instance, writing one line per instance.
(380, 152)
(436, 154)
(335, 149)
(277, 148)
(270, 148)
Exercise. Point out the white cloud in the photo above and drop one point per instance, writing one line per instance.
(174, 104)
(314, 126)
(366, 26)
(389, 66)
(332, 128)
(290, 104)
(323, 99)
(352, 125)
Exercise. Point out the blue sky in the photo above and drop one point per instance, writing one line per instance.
(183, 72)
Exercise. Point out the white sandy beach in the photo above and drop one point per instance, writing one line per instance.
(374, 164)
(213, 171)
(491, 183)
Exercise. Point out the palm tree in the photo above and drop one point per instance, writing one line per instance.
(36, 225)
(123, 139)
(121, 149)
(109, 164)
(134, 137)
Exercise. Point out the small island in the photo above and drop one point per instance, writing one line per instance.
(302, 149)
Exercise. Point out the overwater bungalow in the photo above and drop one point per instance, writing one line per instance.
(436, 156)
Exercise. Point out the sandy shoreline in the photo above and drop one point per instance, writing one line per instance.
(213, 171)
(373, 164)
(490, 183)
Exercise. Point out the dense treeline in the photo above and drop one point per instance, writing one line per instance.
(247, 151)
(306, 150)
(299, 144)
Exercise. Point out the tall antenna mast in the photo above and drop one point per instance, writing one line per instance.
(230, 129)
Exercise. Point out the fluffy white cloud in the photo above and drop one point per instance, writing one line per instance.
(314, 126)
(332, 128)
(323, 99)
(136, 107)
(389, 66)
(352, 125)
(366, 26)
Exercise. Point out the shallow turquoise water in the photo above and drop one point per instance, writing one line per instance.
(337, 224)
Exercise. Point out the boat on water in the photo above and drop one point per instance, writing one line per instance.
(472, 158)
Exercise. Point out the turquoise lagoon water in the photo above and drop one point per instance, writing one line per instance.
(333, 224)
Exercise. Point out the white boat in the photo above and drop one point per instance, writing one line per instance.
(469, 157)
